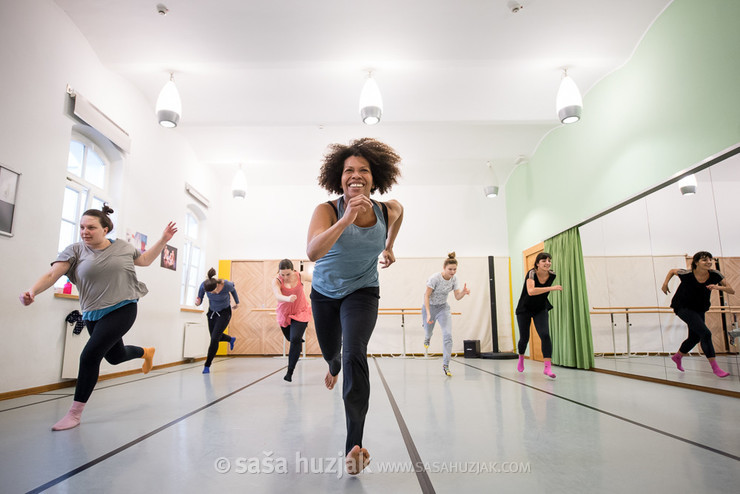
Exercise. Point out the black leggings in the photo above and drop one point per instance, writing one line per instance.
(294, 334)
(345, 325)
(541, 324)
(217, 322)
(698, 332)
(106, 341)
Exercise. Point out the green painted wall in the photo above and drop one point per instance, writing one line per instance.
(676, 102)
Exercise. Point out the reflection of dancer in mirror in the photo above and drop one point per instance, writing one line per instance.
(436, 308)
(293, 310)
(691, 302)
(219, 312)
(534, 306)
(345, 238)
(104, 273)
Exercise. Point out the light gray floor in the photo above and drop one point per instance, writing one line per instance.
(486, 428)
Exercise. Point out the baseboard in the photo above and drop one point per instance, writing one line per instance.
(70, 383)
(706, 389)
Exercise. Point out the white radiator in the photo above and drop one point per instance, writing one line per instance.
(195, 340)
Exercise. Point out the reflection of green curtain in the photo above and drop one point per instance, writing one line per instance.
(570, 322)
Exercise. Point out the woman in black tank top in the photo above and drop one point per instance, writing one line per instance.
(691, 302)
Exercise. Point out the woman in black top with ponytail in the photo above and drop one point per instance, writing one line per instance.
(534, 306)
(691, 302)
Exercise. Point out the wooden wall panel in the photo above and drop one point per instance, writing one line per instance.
(730, 267)
(258, 332)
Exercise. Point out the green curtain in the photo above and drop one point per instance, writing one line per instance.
(570, 322)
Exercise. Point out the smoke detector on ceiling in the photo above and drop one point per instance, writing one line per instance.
(514, 6)
(162, 9)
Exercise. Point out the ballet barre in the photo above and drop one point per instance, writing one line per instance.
(611, 311)
(386, 311)
(403, 312)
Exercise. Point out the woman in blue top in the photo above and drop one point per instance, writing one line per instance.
(345, 238)
(104, 273)
(219, 312)
(691, 302)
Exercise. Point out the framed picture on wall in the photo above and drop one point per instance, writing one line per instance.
(8, 191)
(168, 258)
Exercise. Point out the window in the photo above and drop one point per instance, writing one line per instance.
(191, 258)
(88, 171)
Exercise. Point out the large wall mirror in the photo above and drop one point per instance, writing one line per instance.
(627, 254)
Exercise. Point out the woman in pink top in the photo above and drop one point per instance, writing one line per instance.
(293, 310)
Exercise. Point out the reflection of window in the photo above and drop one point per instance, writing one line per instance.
(191, 259)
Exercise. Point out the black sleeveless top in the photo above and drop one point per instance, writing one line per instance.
(693, 295)
(536, 303)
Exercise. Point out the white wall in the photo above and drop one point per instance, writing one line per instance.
(40, 53)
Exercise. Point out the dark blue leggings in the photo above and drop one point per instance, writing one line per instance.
(698, 332)
(345, 325)
(106, 341)
(294, 334)
(541, 324)
(217, 322)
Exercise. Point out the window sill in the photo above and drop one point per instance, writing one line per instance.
(190, 309)
(66, 295)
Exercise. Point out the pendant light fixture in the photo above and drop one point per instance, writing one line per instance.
(169, 106)
(687, 185)
(239, 184)
(568, 102)
(371, 103)
(491, 191)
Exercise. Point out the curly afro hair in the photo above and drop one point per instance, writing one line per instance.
(382, 158)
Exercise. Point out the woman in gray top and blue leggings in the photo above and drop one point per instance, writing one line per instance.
(219, 312)
(104, 273)
(345, 238)
(436, 308)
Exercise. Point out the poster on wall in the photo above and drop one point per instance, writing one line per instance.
(168, 258)
(8, 189)
(137, 239)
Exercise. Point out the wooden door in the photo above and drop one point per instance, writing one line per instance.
(535, 343)
(254, 324)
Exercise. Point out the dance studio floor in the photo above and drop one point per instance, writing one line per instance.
(487, 428)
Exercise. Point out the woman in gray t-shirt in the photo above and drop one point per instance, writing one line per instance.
(436, 308)
(104, 273)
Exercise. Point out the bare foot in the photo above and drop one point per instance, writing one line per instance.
(356, 460)
(330, 380)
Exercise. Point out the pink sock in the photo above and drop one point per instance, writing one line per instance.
(677, 359)
(520, 365)
(717, 371)
(72, 419)
(548, 371)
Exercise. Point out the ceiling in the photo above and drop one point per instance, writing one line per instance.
(270, 83)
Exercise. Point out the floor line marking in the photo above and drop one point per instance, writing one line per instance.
(610, 414)
(421, 474)
(136, 441)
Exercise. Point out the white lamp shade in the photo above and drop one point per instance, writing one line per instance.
(371, 103)
(239, 185)
(169, 106)
(568, 102)
(490, 190)
(687, 185)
